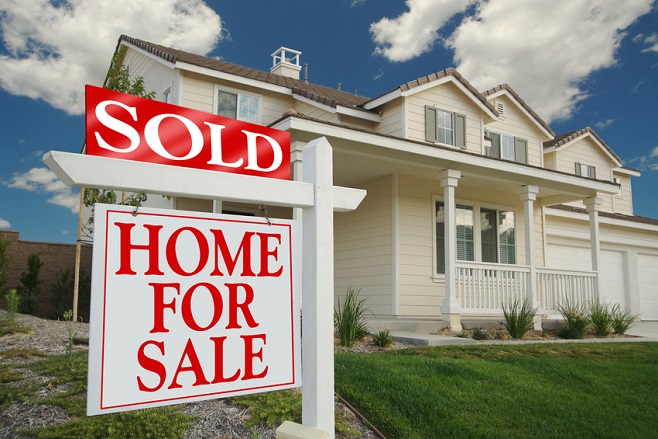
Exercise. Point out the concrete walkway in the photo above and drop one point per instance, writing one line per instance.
(641, 331)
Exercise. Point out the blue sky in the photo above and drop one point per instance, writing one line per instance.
(578, 63)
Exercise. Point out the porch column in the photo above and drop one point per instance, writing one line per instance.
(450, 308)
(529, 196)
(593, 205)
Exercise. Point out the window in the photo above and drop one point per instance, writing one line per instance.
(507, 147)
(588, 171)
(492, 239)
(238, 106)
(445, 127)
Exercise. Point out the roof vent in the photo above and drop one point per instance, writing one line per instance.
(285, 62)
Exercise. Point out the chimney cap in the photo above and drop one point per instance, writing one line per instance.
(285, 62)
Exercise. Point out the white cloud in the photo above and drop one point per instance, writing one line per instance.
(652, 41)
(545, 49)
(604, 123)
(414, 32)
(55, 47)
(43, 180)
(4, 224)
(654, 153)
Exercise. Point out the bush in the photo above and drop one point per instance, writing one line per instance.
(576, 320)
(622, 320)
(519, 317)
(602, 319)
(349, 318)
(384, 338)
(4, 263)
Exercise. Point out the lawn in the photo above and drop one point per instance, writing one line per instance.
(602, 390)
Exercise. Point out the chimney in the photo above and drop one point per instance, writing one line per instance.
(285, 62)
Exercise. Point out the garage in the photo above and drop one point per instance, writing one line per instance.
(647, 267)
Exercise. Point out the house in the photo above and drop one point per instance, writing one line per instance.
(472, 199)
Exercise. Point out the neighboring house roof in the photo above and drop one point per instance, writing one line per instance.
(426, 81)
(506, 89)
(619, 216)
(327, 96)
(566, 139)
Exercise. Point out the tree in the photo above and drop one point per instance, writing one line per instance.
(30, 286)
(4, 263)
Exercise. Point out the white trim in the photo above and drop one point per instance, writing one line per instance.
(358, 113)
(626, 171)
(523, 110)
(582, 137)
(513, 172)
(395, 296)
(233, 78)
(383, 99)
(602, 219)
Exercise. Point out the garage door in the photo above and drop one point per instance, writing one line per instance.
(647, 267)
(611, 275)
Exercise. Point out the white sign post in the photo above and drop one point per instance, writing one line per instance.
(316, 196)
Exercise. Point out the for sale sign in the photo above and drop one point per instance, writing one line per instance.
(189, 306)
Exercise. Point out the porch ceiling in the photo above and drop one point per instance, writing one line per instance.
(361, 156)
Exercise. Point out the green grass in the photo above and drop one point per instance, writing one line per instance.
(541, 391)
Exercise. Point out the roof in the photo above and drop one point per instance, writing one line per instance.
(566, 138)
(324, 95)
(449, 73)
(526, 107)
(619, 216)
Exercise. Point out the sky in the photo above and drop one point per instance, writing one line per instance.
(577, 63)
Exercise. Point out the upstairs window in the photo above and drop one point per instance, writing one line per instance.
(617, 180)
(445, 127)
(238, 106)
(584, 170)
(507, 147)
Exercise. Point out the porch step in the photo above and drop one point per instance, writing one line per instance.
(411, 325)
(421, 339)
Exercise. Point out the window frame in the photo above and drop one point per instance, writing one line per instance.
(476, 207)
(590, 170)
(458, 126)
(238, 94)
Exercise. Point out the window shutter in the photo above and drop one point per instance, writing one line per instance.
(578, 170)
(494, 151)
(592, 172)
(521, 150)
(430, 124)
(460, 131)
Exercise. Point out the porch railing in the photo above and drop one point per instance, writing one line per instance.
(555, 287)
(482, 288)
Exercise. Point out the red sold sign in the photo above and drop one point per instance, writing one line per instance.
(133, 128)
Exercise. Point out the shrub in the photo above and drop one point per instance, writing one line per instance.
(602, 319)
(349, 318)
(519, 317)
(62, 292)
(576, 320)
(30, 285)
(622, 320)
(13, 301)
(481, 334)
(384, 338)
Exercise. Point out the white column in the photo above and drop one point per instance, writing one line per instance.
(593, 205)
(450, 308)
(528, 195)
(318, 290)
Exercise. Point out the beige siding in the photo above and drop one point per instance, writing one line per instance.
(515, 123)
(364, 250)
(449, 98)
(315, 112)
(157, 77)
(392, 119)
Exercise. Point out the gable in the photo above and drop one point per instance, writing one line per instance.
(587, 151)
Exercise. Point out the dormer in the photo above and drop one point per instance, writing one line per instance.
(285, 62)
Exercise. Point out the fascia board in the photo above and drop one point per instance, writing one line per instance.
(148, 55)
(388, 97)
(311, 102)
(359, 114)
(627, 171)
(523, 110)
(233, 78)
(540, 177)
(602, 220)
